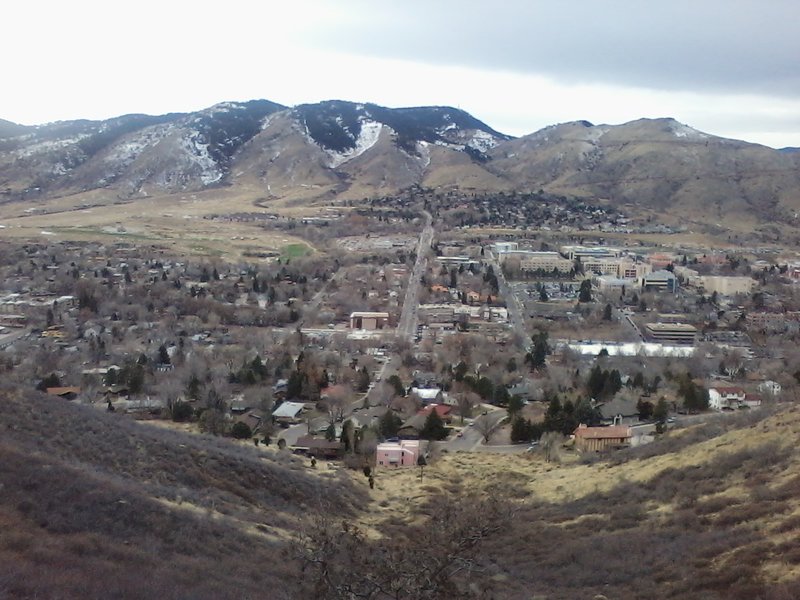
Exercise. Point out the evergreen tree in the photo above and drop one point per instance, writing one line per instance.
(434, 428)
(585, 291)
(389, 424)
(163, 355)
(330, 433)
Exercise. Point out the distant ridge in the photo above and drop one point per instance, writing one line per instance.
(350, 150)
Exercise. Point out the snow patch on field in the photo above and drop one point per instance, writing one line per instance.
(367, 138)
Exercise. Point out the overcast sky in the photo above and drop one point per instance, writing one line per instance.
(728, 67)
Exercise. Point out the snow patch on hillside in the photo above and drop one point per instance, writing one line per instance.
(367, 138)
(128, 150)
(593, 134)
(49, 146)
(684, 131)
(197, 152)
(482, 141)
(266, 121)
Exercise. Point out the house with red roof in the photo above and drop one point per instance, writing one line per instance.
(725, 397)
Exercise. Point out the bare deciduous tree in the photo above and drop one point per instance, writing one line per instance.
(434, 561)
(486, 425)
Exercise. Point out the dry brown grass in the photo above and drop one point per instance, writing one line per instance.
(715, 516)
(174, 221)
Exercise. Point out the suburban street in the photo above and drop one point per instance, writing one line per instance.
(515, 312)
(9, 338)
(407, 325)
(472, 437)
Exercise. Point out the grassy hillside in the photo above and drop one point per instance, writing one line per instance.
(96, 505)
(712, 512)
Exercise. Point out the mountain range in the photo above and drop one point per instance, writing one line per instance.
(347, 150)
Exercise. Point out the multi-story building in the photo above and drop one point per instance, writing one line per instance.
(660, 281)
(545, 261)
(674, 333)
(727, 286)
(589, 252)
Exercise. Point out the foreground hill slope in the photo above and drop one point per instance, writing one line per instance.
(709, 512)
(95, 505)
(93, 501)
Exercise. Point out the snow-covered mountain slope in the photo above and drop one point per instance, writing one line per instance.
(351, 150)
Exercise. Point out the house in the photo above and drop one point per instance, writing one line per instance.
(443, 410)
(66, 392)
(437, 288)
(403, 453)
(280, 388)
(318, 447)
(619, 410)
(369, 320)
(288, 412)
(596, 439)
(770, 387)
(725, 397)
(412, 427)
(428, 395)
(751, 401)
(252, 419)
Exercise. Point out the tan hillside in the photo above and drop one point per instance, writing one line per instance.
(318, 153)
(711, 511)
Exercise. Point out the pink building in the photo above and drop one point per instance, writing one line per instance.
(397, 454)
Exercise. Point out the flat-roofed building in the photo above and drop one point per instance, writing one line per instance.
(675, 333)
(660, 281)
(503, 247)
(584, 252)
(546, 262)
(403, 453)
(369, 320)
(601, 266)
(630, 269)
(437, 313)
(727, 286)
(608, 283)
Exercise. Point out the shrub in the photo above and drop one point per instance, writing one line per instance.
(241, 431)
(181, 412)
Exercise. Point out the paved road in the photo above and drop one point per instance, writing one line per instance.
(472, 438)
(625, 318)
(515, 309)
(407, 326)
(7, 339)
(310, 310)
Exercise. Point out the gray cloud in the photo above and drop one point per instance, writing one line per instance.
(738, 46)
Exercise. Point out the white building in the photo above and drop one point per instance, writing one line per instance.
(770, 387)
(720, 398)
